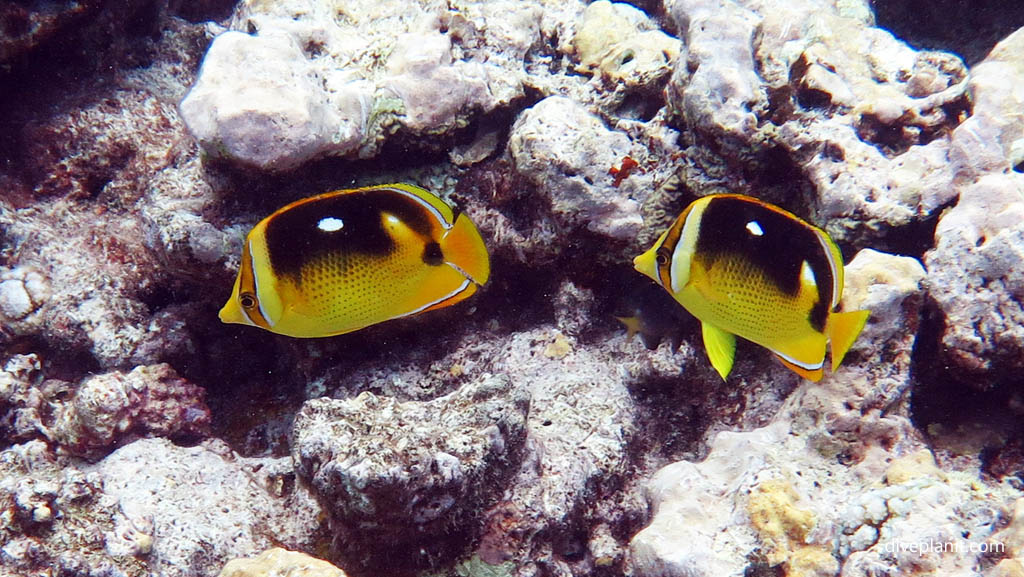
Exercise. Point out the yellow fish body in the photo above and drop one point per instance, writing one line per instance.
(748, 268)
(344, 260)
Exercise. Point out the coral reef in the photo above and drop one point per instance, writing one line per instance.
(92, 417)
(188, 509)
(860, 113)
(805, 488)
(566, 150)
(524, 432)
(342, 81)
(150, 507)
(398, 477)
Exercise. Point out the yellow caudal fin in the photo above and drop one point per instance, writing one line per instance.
(464, 248)
(721, 348)
(809, 374)
(843, 330)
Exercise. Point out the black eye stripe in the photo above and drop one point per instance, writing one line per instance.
(663, 257)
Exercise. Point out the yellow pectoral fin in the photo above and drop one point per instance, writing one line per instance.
(632, 325)
(843, 330)
(721, 348)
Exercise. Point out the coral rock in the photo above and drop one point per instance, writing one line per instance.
(715, 88)
(620, 41)
(402, 475)
(816, 80)
(191, 509)
(680, 518)
(992, 139)
(27, 26)
(259, 101)
(22, 292)
(975, 277)
(567, 152)
(107, 409)
(580, 424)
(919, 464)
(342, 82)
(831, 442)
(779, 521)
(278, 561)
(876, 372)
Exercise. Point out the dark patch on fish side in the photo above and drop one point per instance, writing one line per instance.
(779, 252)
(819, 314)
(432, 254)
(295, 240)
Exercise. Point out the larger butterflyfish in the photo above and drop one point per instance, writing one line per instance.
(344, 260)
(747, 268)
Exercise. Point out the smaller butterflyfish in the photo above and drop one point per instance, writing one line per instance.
(648, 311)
(345, 260)
(747, 268)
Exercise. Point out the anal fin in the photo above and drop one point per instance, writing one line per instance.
(843, 330)
(721, 348)
(809, 374)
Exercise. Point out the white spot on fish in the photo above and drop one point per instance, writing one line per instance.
(755, 228)
(330, 224)
(392, 219)
(807, 274)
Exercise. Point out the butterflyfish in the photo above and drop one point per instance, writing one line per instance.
(747, 268)
(344, 260)
(650, 312)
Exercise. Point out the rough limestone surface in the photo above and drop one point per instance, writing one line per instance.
(975, 277)
(93, 417)
(782, 491)
(278, 561)
(22, 292)
(973, 269)
(568, 152)
(581, 421)
(26, 27)
(266, 105)
(992, 139)
(891, 287)
(149, 508)
(21, 398)
(397, 476)
(1012, 538)
(109, 409)
(84, 274)
(188, 510)
(864, 116)
(340, 78)
(49, 516)
(621, 43)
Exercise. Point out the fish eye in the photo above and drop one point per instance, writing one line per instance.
(247, 300)
(662, 257)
